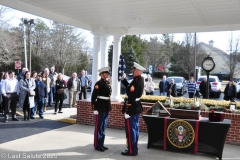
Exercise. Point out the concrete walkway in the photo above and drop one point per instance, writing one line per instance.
(76, 142)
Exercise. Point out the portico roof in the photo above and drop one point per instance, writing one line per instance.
(137, 16)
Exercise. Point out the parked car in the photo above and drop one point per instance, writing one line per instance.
(215, 85)
(181, 84)
(89, 83)
(66, 78)
(130, 77)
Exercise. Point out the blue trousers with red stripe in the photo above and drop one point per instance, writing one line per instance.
(132, 133)
(100, 125)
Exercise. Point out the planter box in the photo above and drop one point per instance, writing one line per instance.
(185, 114)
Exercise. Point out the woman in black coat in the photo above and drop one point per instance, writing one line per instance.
(172, 89)
(60, 92)
(230, 91)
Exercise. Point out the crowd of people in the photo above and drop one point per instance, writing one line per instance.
(166, 89)
(34, 92)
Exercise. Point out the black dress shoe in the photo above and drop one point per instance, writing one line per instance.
(15, 119)
(32, 117)
(105, 148)
(41, 117)
(126, 153)
(99, 149)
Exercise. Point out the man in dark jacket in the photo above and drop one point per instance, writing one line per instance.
(101, 105)
(163, 86)
(203, 88)
(74, 86)
(40, 95)
(132, 109)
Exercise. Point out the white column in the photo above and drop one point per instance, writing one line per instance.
(96, 60)
(104, 51)
(115, 83)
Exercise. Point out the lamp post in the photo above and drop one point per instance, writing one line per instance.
(195, 54)
(91, 66)
(196, 71)
(28, 22)
(24, 37)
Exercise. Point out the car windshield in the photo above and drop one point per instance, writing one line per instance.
(89, 77)
(65, 77)
(176, 80)
(210, 79)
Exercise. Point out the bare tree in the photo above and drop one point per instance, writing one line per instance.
(9, 48)
(3, 20)
(154, 54)
(67, 46)
(183, 57)
(159, 50)
(233, 62)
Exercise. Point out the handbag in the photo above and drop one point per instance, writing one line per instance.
(61, 91)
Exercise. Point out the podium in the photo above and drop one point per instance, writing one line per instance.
(211, 135)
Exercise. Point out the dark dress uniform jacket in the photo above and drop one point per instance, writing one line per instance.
(101, 88)
(134, 90)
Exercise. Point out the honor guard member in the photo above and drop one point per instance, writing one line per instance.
(101, 105)
(132, 109)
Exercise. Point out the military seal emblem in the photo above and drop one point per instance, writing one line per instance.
(180, 134)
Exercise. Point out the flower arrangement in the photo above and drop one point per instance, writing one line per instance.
(188, 103)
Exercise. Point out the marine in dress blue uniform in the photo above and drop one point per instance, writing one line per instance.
(101, 105)
(132, 109)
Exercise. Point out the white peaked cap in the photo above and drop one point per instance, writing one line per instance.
(104, 69)
(139, 67)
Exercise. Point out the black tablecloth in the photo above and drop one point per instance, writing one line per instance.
(211, 135)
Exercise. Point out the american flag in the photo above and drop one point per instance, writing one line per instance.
(121, 67)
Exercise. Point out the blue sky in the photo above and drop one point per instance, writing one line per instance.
(221, 39)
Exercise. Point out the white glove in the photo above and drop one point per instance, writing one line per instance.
(123, 76)
(126, 116)
(95, 112)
